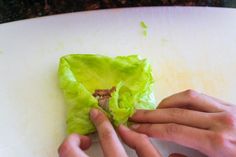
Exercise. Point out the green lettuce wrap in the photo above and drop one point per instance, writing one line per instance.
(117, 86)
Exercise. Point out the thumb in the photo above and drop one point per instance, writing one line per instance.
(74, 145)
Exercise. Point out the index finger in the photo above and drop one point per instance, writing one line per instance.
(192, 100)
(109, 140)
(174, 115)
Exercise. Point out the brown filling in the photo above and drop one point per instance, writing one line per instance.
(103, 96)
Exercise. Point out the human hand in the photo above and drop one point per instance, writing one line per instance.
(74, 144)
(194, 120)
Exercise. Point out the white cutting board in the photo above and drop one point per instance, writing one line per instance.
(187, 47)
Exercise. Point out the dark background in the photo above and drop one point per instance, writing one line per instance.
(12, 10)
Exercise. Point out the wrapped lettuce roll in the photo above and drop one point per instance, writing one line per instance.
(118, 86)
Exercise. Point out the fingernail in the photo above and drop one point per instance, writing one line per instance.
(93, 113)
(122, 127)
(135, 126)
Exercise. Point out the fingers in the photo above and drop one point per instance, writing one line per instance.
(173, 115)
(109, 140)
(180, 134)
(137, 141)
(72, 144)
(192, 100)
(227, 104)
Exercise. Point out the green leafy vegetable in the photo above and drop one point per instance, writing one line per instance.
(143, 25)
(82, 75)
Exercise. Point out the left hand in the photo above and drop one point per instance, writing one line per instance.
(74, 145)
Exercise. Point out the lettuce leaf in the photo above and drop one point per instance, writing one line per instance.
(81, 74)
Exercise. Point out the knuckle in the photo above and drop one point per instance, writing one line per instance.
(191, 94)
(227, 119)
(217, 140)
(107, 133)
(147, 129)
(171, 129)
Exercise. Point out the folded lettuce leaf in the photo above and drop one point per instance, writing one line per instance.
(81, 74)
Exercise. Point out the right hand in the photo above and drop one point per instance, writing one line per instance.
(194, 120)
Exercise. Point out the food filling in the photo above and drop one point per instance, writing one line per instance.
(103, 96)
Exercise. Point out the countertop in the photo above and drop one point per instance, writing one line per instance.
(188, 48)
(13, 10)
